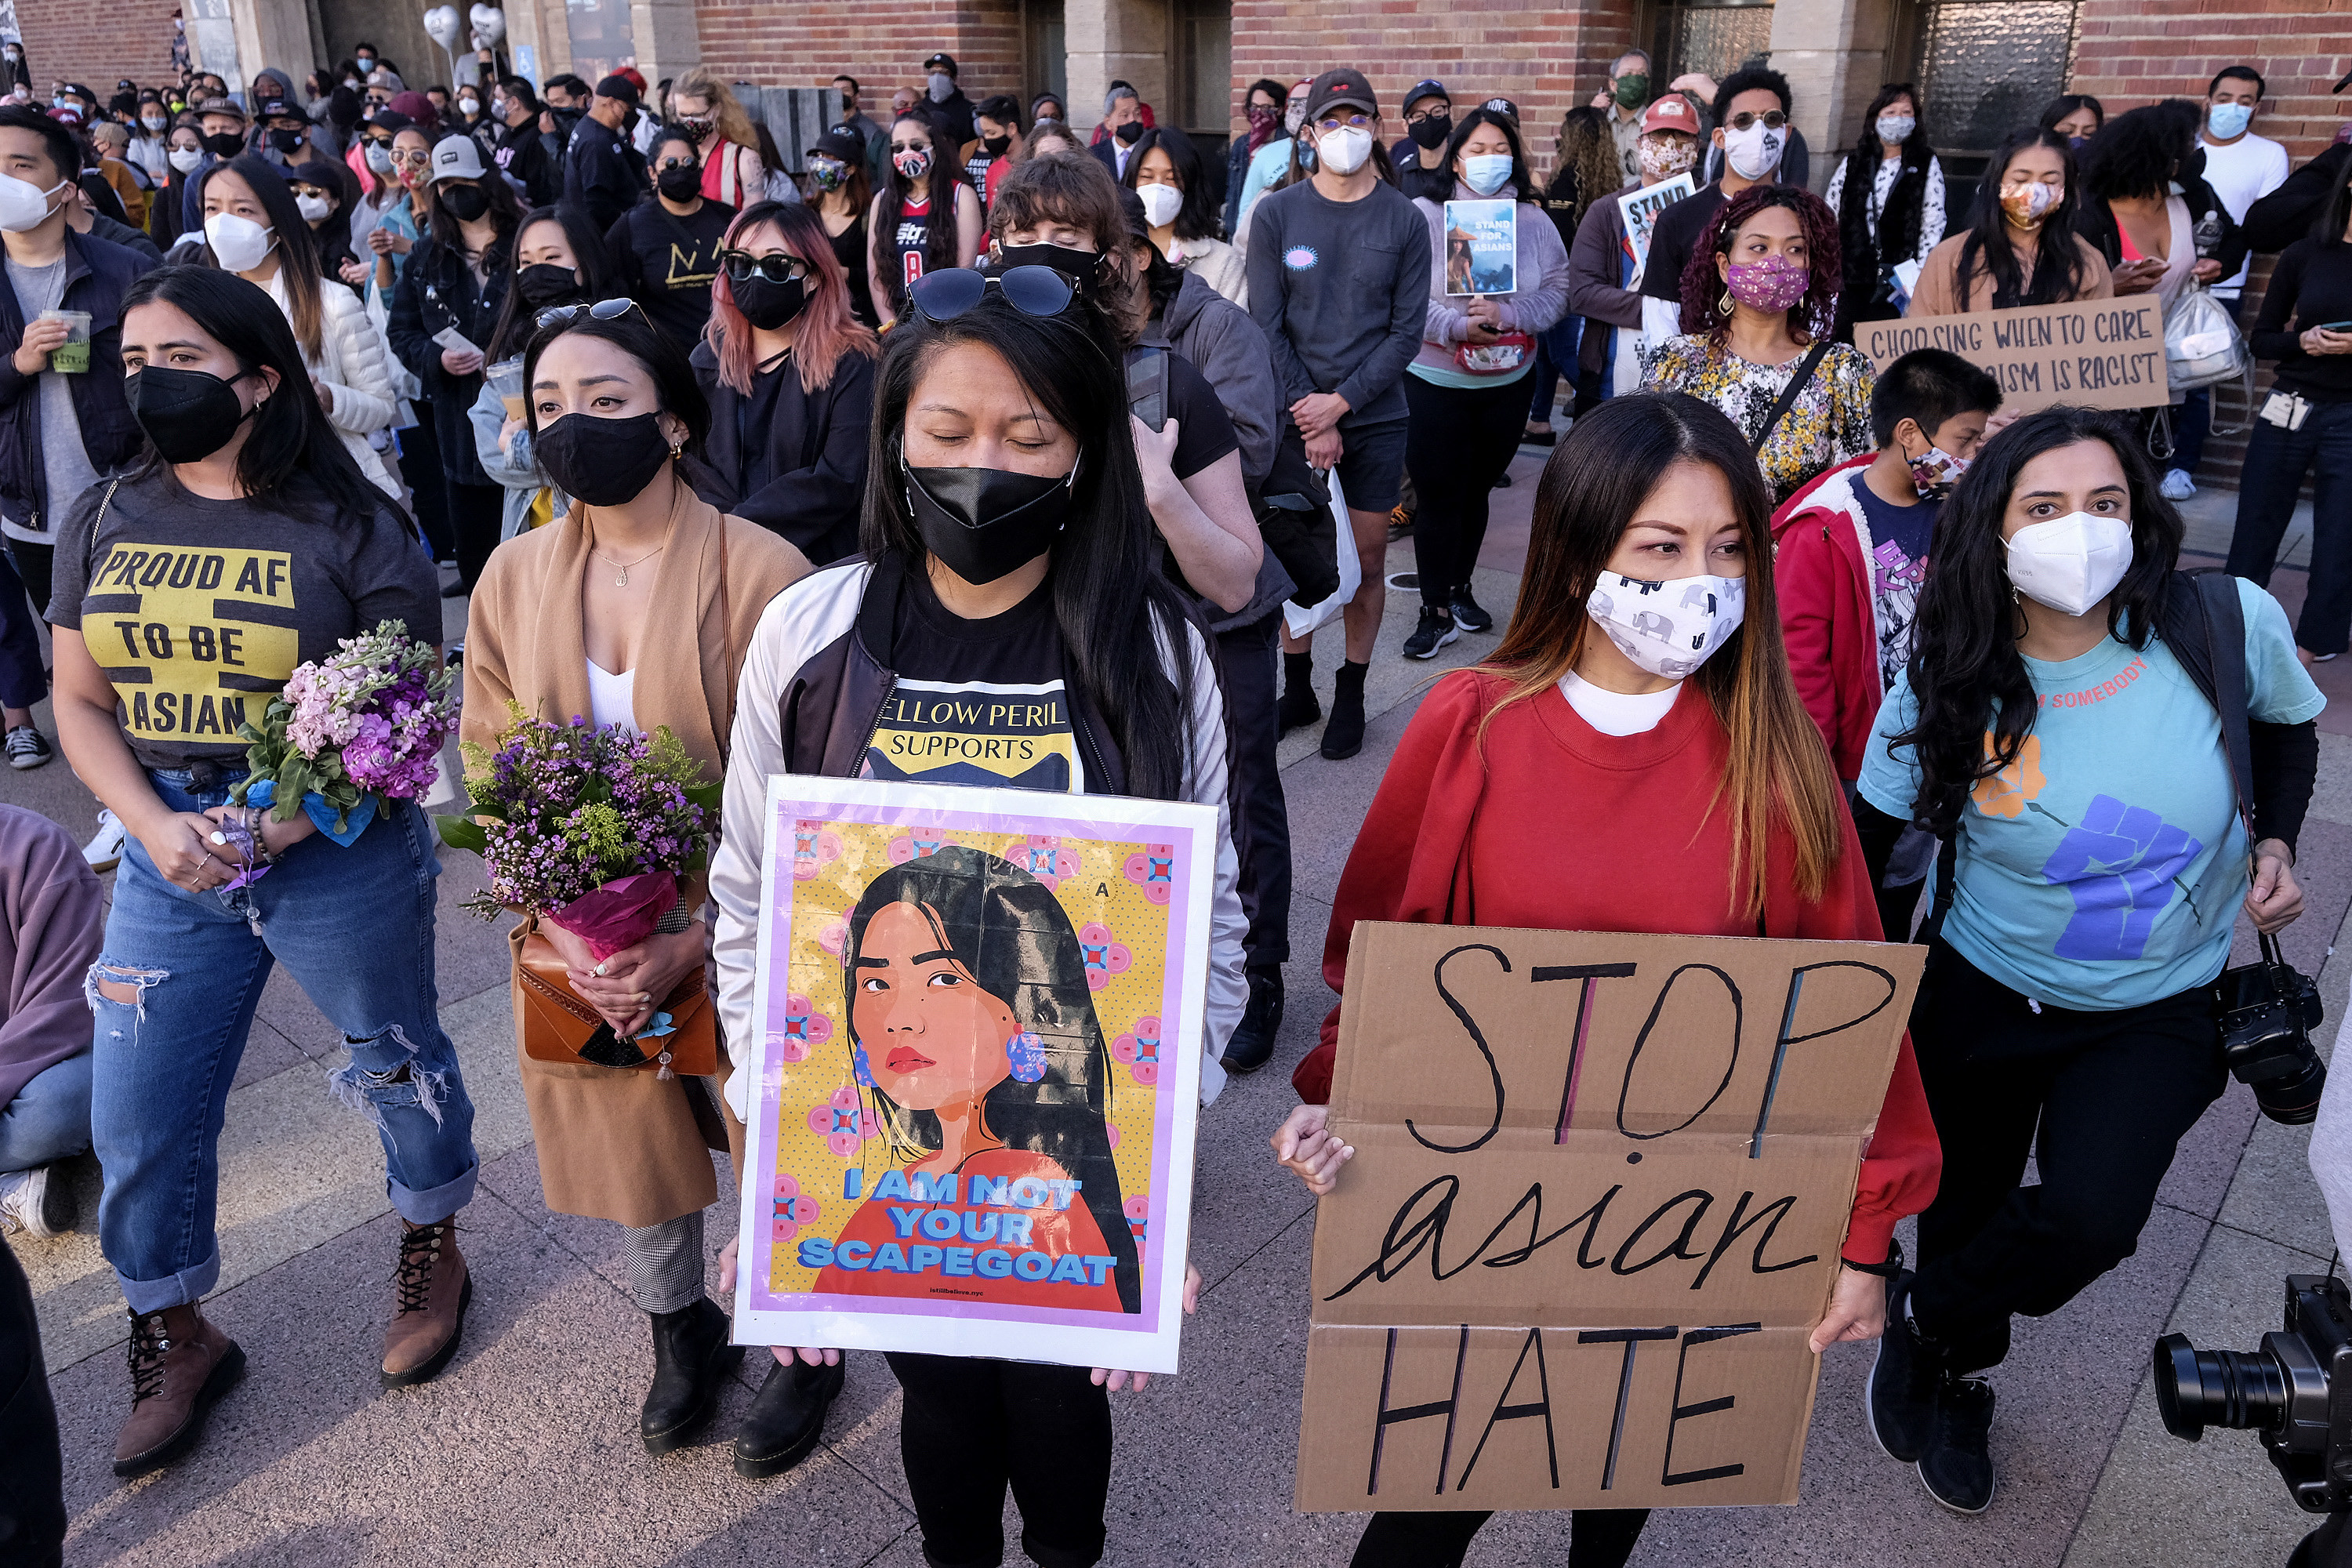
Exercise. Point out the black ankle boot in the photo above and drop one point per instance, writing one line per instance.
(1298, 707)
(1253, 1038)
(1343, 737)
(691, 1361)
(786, 1419)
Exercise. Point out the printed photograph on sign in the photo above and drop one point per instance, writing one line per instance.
(976, 1067)
(1482, 246)
(1640, 210)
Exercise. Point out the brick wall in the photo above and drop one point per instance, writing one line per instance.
(97, 44)
(807, 42)
(2129, 52)
(1545, 60)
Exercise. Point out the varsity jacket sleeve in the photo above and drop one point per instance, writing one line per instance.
(1205, 781)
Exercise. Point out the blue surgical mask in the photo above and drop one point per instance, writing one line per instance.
(2226, 120)
(1486, 172)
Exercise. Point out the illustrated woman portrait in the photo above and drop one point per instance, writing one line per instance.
(973, 1031)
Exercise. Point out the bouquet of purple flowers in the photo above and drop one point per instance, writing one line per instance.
(361, 726)
(591, 827)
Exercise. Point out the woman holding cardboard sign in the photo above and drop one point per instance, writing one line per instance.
(1611, 701)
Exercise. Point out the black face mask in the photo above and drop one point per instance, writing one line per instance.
(286, 141)
(466, 203)
(1083, 267)
(996, 144)
(605, 462)
(1431, 132)
(188, 413)
(679, 182)
(1129, 131)
(985, 523)
(543, 283)
(227, 144)
(768, 305)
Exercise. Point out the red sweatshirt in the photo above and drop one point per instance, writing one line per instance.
(1559, 827)
(1829, 616)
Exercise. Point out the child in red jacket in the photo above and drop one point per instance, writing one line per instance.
(1850, 552)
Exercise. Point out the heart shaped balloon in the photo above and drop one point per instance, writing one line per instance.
(441, 26)
(489, 27)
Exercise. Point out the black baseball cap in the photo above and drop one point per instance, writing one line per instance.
(278, 109)
(944, 60)
(1343, 87)
(841, 142)
(618, 86)
(1432, 88)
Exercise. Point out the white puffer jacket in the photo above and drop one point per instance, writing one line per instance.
(355, 368)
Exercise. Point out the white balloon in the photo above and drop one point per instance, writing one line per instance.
(441, 26)
(489, 27)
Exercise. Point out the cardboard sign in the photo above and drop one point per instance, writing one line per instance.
(1600, 1188)
(2095, 354)
(1639, 209)
(976, 1058)
(1482, 246)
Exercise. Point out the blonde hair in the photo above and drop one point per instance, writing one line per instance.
(733, 119)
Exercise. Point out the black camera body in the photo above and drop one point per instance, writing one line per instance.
(2267, 1012)
(2289, 1391)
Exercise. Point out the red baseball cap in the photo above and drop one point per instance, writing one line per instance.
(1672, 112)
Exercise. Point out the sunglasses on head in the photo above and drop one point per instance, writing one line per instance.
(743, 266)
(1032, 290)
(602, 311)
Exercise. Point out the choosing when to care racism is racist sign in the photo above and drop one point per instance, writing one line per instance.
(2095, 354)
(1599, 1189)
(976, 1053)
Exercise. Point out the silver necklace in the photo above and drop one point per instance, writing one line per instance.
(622, 567)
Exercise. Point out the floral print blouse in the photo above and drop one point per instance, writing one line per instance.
(1828, 424)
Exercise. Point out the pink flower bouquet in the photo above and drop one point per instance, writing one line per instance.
(362, 725)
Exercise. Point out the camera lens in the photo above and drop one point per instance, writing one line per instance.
(2195, 1389)
(2293, 1097)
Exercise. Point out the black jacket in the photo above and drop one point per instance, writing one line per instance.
(522, 155)
(1865, 260)
(2287, 214)
(436, 290)
(97, 275)
(596, 173)
(814, 444)
(2095, 221)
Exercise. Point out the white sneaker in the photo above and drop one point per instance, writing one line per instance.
(32, 1203)
(2177, 485)
(104, 850)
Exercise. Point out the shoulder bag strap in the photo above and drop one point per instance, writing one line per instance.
(731, 660)
(2224, 620)
(1789, 393)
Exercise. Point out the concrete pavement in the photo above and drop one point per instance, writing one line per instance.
(525, 1450)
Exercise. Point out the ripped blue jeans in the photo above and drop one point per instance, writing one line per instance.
(354, 927)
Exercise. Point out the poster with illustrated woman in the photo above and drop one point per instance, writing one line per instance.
(974, 1072)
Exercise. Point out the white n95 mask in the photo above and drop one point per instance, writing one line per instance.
(23, 205)
(1668, 628)
(239, 244)
(1343, 151)
(2070, 563)
(1160, 204)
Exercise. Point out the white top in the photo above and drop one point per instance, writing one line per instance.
(2241, 173)
(612, 699)
(1617, 712)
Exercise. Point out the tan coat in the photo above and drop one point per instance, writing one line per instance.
(1938, 291)
(621, 1143)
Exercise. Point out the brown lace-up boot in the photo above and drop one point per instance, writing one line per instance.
(180, 1364)
(431, 1290)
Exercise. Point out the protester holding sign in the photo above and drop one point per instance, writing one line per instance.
(1757, 301)
(1605, 271)
(2055, 721)
(1642, 679)
(1465, 387)
(1014, 554)
(2020, 248)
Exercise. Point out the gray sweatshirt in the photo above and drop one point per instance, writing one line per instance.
(1341, 292)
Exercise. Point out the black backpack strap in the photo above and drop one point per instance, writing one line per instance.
(1797, 383)
(2225, 648)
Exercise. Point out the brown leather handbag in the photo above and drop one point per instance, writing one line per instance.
(557, 1026)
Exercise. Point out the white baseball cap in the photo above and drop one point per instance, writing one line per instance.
(458, 157)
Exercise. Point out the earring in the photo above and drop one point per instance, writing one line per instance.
(1723, 307)
(1025, 1053)
(675, 452)
(860, 1068)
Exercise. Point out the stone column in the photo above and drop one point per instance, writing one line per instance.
(1116, 40)
(1833, 53)
(665, 37)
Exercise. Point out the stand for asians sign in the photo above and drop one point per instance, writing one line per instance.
(2095, 354)
(1600, 1188)
(976, 1057)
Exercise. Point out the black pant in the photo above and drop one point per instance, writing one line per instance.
(32, 1469)
(970, 1426)
(428, 482)
(478, 513)
(35, 565)
(24, 679)
(2112, 1093)
(1460, 442)
(2276, 461)
(1597, 1537)
(1261, 823)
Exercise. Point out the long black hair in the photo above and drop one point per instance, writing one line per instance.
(673, 377)
(939, 240)
(2057, 258)
(2066, 103)
(1115, 609)
(292, 455)
(593, 265)
(2140, 152)
(1198, 218)
(1013, 936)
(1522, 186)
(1965, 668)
(298, 247)
(505, 211)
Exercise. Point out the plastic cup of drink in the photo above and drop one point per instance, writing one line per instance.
(73, 356)
(506, 379)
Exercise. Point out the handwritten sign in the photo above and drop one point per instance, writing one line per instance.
(2096, 353)
(1600, 1190)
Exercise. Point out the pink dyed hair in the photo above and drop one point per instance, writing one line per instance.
(827, 330)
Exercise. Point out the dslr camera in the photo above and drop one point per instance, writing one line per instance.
(2268, 1010)
(2295, 1393)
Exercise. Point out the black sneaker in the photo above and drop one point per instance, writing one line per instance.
(1956, 1468)
(1436, 629)
(1468, 615)
(1252, 1044)
(1899, 1401)
(27, 747)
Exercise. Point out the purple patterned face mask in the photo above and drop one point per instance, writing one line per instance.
(1774, 284)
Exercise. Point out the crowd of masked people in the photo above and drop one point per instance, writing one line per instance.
(978, 400)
